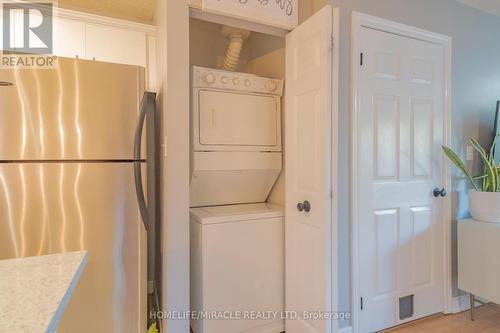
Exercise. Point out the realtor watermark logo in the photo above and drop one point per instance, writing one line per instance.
(27, 34)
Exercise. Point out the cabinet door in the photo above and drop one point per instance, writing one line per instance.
(69, 38)
(115, 45)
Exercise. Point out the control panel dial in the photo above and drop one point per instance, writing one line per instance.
(271, 86)
(209, 78)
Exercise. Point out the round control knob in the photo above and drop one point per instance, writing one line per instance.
(236, 81)
(271, 86)
(248, 83)
(208, 78)
(223, 79)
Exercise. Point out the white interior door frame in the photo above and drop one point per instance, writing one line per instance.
(335, 148)
(359, 21)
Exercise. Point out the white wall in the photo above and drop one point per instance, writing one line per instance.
(208, 46)
(173, 66)
(309, 7)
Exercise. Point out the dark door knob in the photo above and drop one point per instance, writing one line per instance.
(304, 206)
(439, 192)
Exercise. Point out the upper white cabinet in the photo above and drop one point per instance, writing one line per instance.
(117, 45)
(100, 38)
(69, 38)
(92, 37)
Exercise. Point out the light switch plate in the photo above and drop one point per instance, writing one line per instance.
(470, 153)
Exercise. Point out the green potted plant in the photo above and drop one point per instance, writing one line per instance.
(153, 329)
(484, 198)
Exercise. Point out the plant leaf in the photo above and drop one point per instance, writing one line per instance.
(486, 180)
(459, 164)
(491, 180)
(492, 149)
(492, 163)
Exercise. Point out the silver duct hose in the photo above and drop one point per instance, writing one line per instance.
(236, 38)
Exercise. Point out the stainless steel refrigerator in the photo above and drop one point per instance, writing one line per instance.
(73, 165)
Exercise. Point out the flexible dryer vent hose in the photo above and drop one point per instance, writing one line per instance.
(236, 38)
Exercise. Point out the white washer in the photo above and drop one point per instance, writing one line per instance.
(237, 264)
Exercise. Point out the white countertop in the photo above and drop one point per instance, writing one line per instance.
(34, 291)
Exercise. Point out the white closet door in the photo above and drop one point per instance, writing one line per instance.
(308, 175)
(399, 150)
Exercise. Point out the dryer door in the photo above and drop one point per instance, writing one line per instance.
(238, 121)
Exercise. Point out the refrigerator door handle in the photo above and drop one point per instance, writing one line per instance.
(147, 106)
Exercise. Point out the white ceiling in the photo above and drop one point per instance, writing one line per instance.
(491, 6)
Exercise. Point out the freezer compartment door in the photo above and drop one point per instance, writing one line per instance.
(79, 110)
(52, 207)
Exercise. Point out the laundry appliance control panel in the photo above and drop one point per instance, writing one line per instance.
(226, 80)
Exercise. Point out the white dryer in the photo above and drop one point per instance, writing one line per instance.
(235, 137)
(237, 265)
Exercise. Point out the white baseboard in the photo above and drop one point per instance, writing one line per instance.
(347, 329)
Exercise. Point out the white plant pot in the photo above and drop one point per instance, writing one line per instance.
(485, 206)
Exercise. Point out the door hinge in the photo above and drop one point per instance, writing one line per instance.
(361, 59)
(331, 193)
(361, 304)
(332, 42)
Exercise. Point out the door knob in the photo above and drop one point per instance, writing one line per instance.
(439, 192)
(304, 206)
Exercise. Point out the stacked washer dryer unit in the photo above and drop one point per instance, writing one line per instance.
(237, 240)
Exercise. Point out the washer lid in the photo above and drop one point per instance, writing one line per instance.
(234, 213)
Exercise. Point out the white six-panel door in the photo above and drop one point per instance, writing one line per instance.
(400, 133)
(308, 175)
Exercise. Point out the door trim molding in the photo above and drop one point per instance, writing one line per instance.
(359, 21)
(334, 155)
